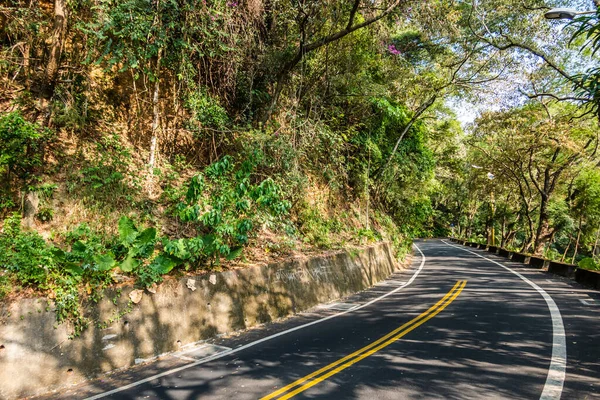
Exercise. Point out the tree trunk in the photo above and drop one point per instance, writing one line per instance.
(502, 233)
(566, 250)
(26, 64)
(155, 115)
(577, 241)
(527, 244)
(596, 242)
(56, 47)
(543, 229)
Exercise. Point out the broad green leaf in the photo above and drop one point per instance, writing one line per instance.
(127, 230)
(129, 264)
(147, 236)
(73, 268)
(235, 253)
(79, 247)
(105, 262)
(163, 264)
(59, 254)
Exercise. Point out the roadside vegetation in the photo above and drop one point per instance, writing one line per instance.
(141, 140)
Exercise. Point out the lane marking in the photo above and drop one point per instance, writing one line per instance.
(347, 361)
(558, 362)
(259, 341)
(338, 306)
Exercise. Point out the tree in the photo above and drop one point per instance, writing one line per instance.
(535, 151)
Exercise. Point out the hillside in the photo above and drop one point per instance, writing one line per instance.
(142, 139)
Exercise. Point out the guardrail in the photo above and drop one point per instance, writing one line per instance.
(585, 277)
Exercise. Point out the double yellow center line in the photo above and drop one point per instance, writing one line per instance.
(312, 379)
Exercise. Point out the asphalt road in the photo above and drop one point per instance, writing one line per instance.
(453, 326)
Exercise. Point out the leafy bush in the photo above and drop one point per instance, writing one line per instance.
(106, 177)
(226, 207)
(206, 111)
(35, 263)
(315, 228)
(589, 263)
(5, 286)
(21, 152)
(26, 254)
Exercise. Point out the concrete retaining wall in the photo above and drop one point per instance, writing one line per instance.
(520, 257)
(588, 278)
(503, 253)
(537, 262)
(562, 269)
(36, 356)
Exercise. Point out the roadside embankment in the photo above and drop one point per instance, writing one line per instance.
(36, 356)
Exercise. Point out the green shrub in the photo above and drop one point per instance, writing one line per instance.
(5, 286)
(589, 263)
(21, 152)
(226, 204)
(35, 263)
(315, 228)
(26, 254)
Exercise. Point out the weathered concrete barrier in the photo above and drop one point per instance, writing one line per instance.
(562, 269)
(503, 252)
(588, 278)
(520, 257)
(492, 249)
(537, 262)
(482, 246)
(472, 244)
(36, 357)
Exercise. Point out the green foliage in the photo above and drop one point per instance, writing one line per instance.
(21, 152)
(205, 112)
(26, 254)
(5, 286)
(105, 178)
(315, 228)
(587, 83)
(415, 48)
(226, 206)
(589, 263)
(139, 245)
(34, 262)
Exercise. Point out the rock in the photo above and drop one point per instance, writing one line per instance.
(213, 279)
(152, 288)
(191, 284)
(30, 208)
(136, 296)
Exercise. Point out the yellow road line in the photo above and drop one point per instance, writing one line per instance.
(371, 348)
(356, 353)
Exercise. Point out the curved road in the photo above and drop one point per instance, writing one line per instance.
(453, 326)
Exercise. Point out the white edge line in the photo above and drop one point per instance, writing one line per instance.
(252, 344)
(558, 363)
